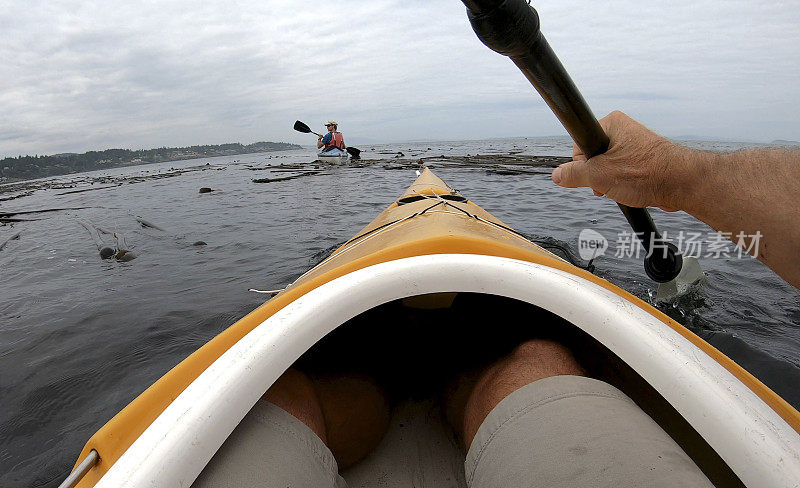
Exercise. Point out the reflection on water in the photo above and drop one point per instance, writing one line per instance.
(80, 337)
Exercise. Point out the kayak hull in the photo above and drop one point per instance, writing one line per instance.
(333, 158)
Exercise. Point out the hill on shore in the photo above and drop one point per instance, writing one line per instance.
(28, 167)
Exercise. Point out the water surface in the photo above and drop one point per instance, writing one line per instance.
(80, 337)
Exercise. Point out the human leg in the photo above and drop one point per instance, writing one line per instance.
(356, 415)
(349, 413)
(295, 393)
(280, 442)
(532, 419)
(478, 392)
(302, 431)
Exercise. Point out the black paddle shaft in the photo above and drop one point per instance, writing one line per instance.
(511, 28)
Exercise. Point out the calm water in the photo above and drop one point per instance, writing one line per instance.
(81, 337)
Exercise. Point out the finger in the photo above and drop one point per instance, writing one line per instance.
(577, 153)
(598, 194)
(572, 175)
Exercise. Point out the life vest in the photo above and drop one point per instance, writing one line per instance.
(337, 141)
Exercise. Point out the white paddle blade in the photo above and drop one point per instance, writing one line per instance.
(690, 275)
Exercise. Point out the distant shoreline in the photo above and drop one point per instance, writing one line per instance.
(24, 168)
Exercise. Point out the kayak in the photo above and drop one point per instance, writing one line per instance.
(333, 157)
(436, 257)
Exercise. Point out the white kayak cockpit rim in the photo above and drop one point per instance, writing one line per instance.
(757, 444)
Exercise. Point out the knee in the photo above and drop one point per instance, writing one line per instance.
(356, 416)
(540, 358)
(349, 413)
(538, 347)
(294, 392)
(530, 361)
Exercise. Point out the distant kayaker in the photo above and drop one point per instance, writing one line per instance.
(333, 140)
(738, 193)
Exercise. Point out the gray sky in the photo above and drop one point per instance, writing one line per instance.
(82, 75)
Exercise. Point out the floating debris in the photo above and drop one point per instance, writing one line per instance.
(26, 212)
(146, 223)
(11, 220)
(19, 195)
(105, 251)
(125, 256)
(12, 238)
(88, 189)
(284, 178)
(205, 189)
(123, 253)
(25, 188)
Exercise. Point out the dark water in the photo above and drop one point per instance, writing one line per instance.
(81, 337)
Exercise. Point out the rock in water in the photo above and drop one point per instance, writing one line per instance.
(206, 189)
(125, 256)
(199, 243)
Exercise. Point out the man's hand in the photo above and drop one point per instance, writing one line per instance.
(640, 168)
(743, 194)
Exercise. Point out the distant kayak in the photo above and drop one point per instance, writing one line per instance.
(334, 156)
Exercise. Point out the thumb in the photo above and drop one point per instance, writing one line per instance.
(572, 175)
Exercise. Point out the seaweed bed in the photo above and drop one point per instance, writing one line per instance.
(494, 163)
(512, 164)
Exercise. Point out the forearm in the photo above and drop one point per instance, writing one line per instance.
(746, 193)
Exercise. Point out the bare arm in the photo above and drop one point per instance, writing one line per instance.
(319, 142)
(740, 192)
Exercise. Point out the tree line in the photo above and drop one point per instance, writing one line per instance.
(27, 167)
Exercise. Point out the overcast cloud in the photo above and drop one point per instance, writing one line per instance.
(82, 75)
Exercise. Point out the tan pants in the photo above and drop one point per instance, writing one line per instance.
(571, 431)
(558, 432)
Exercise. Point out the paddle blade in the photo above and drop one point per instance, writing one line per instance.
(691, 274)
(301, 127)
(355, 152)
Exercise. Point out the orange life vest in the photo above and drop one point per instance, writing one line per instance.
(337, 141)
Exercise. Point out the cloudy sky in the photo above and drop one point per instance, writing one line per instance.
(82, 75)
